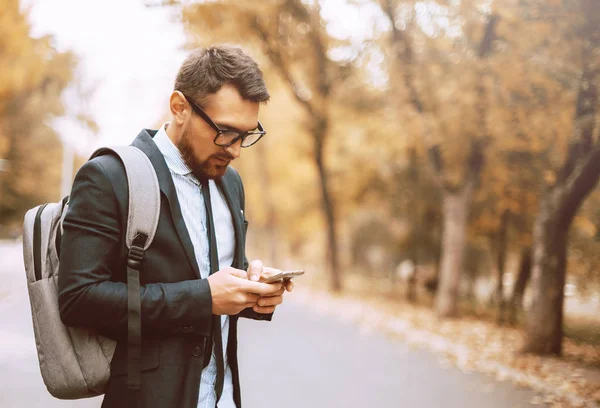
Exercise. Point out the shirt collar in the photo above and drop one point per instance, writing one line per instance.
(171, 153)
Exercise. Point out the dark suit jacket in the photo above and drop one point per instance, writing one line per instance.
(176, 303)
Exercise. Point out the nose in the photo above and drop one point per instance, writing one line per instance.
(235, 149)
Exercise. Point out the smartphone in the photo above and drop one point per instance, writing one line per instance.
(282, 276)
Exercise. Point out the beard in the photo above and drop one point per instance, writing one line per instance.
(209, 169)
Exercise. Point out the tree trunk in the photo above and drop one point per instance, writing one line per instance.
(516, 300)
(315, 106)
(500, 261)
(271, 214)
(455, 213)
(577, 177)
(328, 206)
(456, 205)
(419, 222)
(544, 320)
(550, 238)
(432, 287)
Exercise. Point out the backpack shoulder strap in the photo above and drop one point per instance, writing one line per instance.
(144, 193)
(142, 221)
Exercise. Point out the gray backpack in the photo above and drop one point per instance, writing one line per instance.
(75, 362)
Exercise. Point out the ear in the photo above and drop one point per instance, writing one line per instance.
(180, 108)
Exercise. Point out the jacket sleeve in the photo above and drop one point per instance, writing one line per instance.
(87, 294)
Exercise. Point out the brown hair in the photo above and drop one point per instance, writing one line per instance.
(206, 70)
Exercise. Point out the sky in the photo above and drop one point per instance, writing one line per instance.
(129, 54)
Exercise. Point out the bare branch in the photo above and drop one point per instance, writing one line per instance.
(274, 53)
(476, 159)
(403, 51)
(582, 179)
(312, 17)
(437, 164)
(489, 37)
(585, 117)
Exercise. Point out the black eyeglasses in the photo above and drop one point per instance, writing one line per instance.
(227, 137)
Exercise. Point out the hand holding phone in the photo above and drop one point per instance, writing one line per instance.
(282, 276)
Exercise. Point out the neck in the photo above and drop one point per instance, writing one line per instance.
(173, 133)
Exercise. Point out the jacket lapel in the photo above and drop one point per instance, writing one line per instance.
(227, 186)
(144, 143)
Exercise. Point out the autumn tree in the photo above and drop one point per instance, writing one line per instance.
(571, 183)
(292, 36)
(34, 75)
(436, 91)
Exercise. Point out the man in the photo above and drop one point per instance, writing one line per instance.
(214, 110)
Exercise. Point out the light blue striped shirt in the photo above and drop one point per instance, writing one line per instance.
(189, 194)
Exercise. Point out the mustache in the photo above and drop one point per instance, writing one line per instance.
(227, 157)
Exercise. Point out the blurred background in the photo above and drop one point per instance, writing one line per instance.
(439, 156)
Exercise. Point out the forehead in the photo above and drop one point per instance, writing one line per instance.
(227, 107)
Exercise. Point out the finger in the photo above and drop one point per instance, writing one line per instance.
(289, 285)
(255, 270)
(250, 304)
(262, 289)
(278, 293)
(249, 298)
(268, 271)
(270, 301)
(238, 273)
(264, 310)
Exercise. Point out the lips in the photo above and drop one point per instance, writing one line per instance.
(223, 161)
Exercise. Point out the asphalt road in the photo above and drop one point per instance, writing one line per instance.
(300, 359)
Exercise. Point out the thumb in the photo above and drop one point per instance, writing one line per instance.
(255, 270)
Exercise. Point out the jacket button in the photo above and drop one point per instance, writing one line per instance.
(197, 351)
(192, 329)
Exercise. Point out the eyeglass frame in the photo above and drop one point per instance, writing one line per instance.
(241, 135)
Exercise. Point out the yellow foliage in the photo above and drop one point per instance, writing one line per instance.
(32, 77)
(586, 226)
(519, 101)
